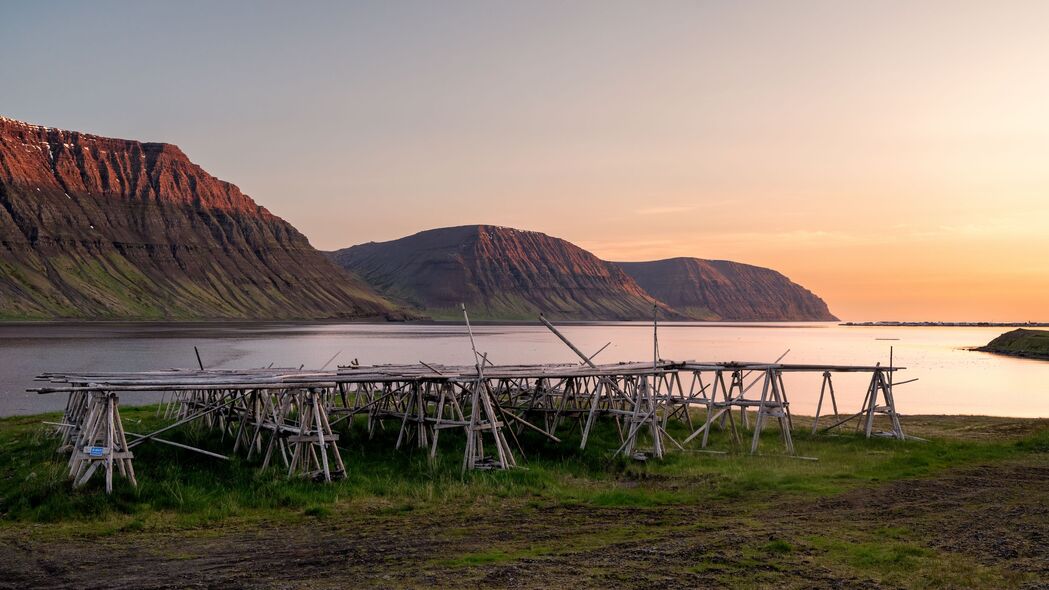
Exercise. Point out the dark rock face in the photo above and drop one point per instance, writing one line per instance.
(724, 290)
(94, 227)
(500, 273)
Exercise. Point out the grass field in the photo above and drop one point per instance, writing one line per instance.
(568, 517)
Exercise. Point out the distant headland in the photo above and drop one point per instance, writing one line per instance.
(1023, 343)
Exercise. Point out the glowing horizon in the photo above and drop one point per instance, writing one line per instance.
(890, 158)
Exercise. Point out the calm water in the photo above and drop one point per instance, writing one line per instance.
(952, 380)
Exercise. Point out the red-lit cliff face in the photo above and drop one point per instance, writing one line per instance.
(500, 273)
(725, 290)
(82, 164)
(96, 227)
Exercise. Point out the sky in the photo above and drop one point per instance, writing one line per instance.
(893, 157)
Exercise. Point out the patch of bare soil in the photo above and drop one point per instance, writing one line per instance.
(995, 514)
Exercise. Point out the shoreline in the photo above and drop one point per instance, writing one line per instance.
(945, 324)
(497, 322)
(1022, 355)
(372, 322)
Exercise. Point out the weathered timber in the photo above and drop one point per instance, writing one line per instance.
(286, 415)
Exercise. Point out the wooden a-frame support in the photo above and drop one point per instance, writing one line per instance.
(100, 442)
(773, 403)
(880, 386)
(312, 449)
(483, 420)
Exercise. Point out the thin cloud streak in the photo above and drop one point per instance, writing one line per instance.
(666, 210)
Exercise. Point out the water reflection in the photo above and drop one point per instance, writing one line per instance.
(952, 380)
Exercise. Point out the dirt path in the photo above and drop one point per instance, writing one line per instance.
(988, 521)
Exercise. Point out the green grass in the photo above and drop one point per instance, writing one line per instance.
(179, 488)
(495, 556)
(778, 546)
(907, 563)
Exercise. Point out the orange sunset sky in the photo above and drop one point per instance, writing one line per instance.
(893, 157)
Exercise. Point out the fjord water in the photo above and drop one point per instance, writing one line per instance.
(952, 380)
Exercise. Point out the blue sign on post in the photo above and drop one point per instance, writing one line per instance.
(97, 451)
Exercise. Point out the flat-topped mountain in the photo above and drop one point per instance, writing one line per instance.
(725, 290)
(95, 227)
(500, 273)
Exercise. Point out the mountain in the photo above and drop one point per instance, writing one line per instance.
(724, 290)
(95, 227)
(505, 273)
(500, 273)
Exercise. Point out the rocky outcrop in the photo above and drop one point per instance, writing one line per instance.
(500, 273)
(724, 290)
(95, 227)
